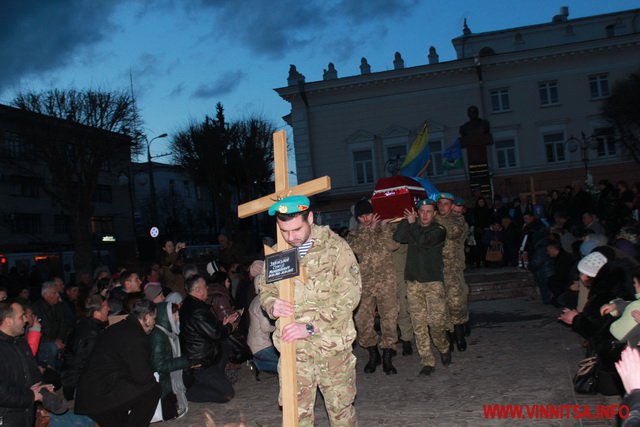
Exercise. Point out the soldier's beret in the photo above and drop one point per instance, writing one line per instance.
(447, 196)
(425, 202)
(458, 201)
(290, 205)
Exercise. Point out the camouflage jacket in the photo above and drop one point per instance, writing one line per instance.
(329, 296)
(456, 234)
(374, 250)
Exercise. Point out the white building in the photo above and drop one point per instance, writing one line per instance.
(538, 85)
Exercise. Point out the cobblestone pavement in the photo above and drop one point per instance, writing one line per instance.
(518, 354)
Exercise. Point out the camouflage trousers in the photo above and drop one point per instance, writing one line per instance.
(404, 319)
(457, 296)
(335, 375)
(429, 316)
(387, 304)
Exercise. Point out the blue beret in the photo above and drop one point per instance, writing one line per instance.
(458, 201)
(290, 205)
(425, 202)
(447, 196)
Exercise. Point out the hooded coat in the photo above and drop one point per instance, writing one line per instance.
(166, 357)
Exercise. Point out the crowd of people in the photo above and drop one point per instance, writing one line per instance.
(128, 347)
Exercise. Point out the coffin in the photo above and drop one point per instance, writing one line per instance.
(392, 195)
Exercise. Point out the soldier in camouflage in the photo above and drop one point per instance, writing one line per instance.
(456, 289)
(424, 275)
(373, 244)
(323, 328)
(459, 209)
(404, 319)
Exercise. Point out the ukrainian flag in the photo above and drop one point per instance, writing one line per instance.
(418, 154)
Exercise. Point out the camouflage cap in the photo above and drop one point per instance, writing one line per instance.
(290, 205)
(447, 196)
(425, 202)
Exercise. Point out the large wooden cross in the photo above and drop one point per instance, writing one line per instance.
(533, 193)
(286, 287)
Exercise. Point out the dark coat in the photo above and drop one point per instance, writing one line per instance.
(53, 322)
(161, 353)
(424, 253)
(78, 351)
(118, 371)
(18, 372)
(201, 334)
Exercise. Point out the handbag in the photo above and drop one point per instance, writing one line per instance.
(586, 379)
(494, 253)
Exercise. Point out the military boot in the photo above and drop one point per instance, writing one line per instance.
(446, 358)
(387, 366)
(450, 339)
(407, 349)
(461, 343)
(467, 328)
(374, 360)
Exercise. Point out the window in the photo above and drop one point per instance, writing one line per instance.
(435, 167)
(500, 100)
(606, 142)
(548, 93)
(25, 186)
(102, 194)
(554, 147)
(395, 157)
(62, 224)
(102, 225)
(505, 149)
(599, 86)
(24, 223)
(187, 188)
(16, 147)
(363, 166)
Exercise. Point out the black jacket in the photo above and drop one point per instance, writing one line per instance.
(118, 371)
(201, 334)
(53, 324)
(78, 351)
(18, 372)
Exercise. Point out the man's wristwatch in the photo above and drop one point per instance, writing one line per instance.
(310, 329)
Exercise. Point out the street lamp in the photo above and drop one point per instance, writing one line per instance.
(152, 185)
(584, 143)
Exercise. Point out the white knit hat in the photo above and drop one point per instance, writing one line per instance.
(591, 264)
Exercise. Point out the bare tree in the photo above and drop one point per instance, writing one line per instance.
(621, 110)
(97, 132)
(232, 160)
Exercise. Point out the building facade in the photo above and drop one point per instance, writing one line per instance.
(31, 220)
(541, 87)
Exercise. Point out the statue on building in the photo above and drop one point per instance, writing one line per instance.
(330, 73)
(294, 76)
(365, 68)
(475, 136)
(398, 62)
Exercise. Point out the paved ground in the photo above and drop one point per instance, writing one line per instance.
(518, 354)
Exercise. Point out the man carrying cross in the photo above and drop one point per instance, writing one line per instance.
(323, 328)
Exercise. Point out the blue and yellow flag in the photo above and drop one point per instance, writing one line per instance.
(452, 156)
(418, 154)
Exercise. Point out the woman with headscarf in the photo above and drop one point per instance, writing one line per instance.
(168, 361)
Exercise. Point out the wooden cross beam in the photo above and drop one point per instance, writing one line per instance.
(286, 287)
(533, 193)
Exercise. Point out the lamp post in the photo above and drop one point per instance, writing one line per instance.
(152, 185)
(584, 143)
